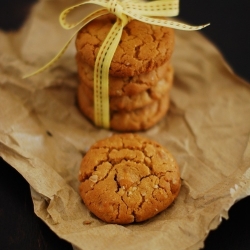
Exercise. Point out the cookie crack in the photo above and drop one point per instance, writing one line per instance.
(143, 200)
(137, 51)
(118, 186)
(121, 197)
(118, 211)
(91, 189)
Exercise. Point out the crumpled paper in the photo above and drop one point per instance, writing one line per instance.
(43, 135)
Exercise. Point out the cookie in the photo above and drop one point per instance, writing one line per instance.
(127, 178)
(119, 86)
(142, 48)
(128, 121)
(129, 103)
(140, 119)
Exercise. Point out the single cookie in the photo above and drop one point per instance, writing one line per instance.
(140, 119)
(128, 178)
(128, 121)
(119, 86)
(142, 48)
(129, 103)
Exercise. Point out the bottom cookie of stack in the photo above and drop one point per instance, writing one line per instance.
(131, 112)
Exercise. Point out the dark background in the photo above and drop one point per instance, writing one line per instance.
(21, 229)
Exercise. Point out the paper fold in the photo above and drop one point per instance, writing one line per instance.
(43, 136)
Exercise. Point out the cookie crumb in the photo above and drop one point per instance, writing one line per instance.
(87, 222)
(174, 181)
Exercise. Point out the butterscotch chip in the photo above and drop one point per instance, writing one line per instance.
(137, 179)
(142, 48)
(120, 86)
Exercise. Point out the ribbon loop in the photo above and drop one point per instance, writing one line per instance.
(164, 8)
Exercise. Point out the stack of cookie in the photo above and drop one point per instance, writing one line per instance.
(140, 75)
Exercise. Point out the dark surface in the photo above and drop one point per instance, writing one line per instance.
(228, 30)
(21, 229)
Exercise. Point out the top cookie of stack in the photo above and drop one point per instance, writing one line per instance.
(140, 74)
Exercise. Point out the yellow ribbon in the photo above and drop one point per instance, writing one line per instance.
(125, 10)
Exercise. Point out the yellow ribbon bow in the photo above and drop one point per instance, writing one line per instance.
(125, 10)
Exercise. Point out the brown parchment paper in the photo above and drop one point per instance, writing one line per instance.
(43, 135)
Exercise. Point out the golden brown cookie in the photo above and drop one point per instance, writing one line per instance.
(142, 48)
(129, 103)
(119, 86)
(128, 121)
(128, 178)
(142, 118)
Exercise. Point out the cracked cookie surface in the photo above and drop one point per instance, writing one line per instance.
(127, 178)
(142, 48)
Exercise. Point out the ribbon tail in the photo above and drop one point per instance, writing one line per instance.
(61, 52)
(51, 62)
